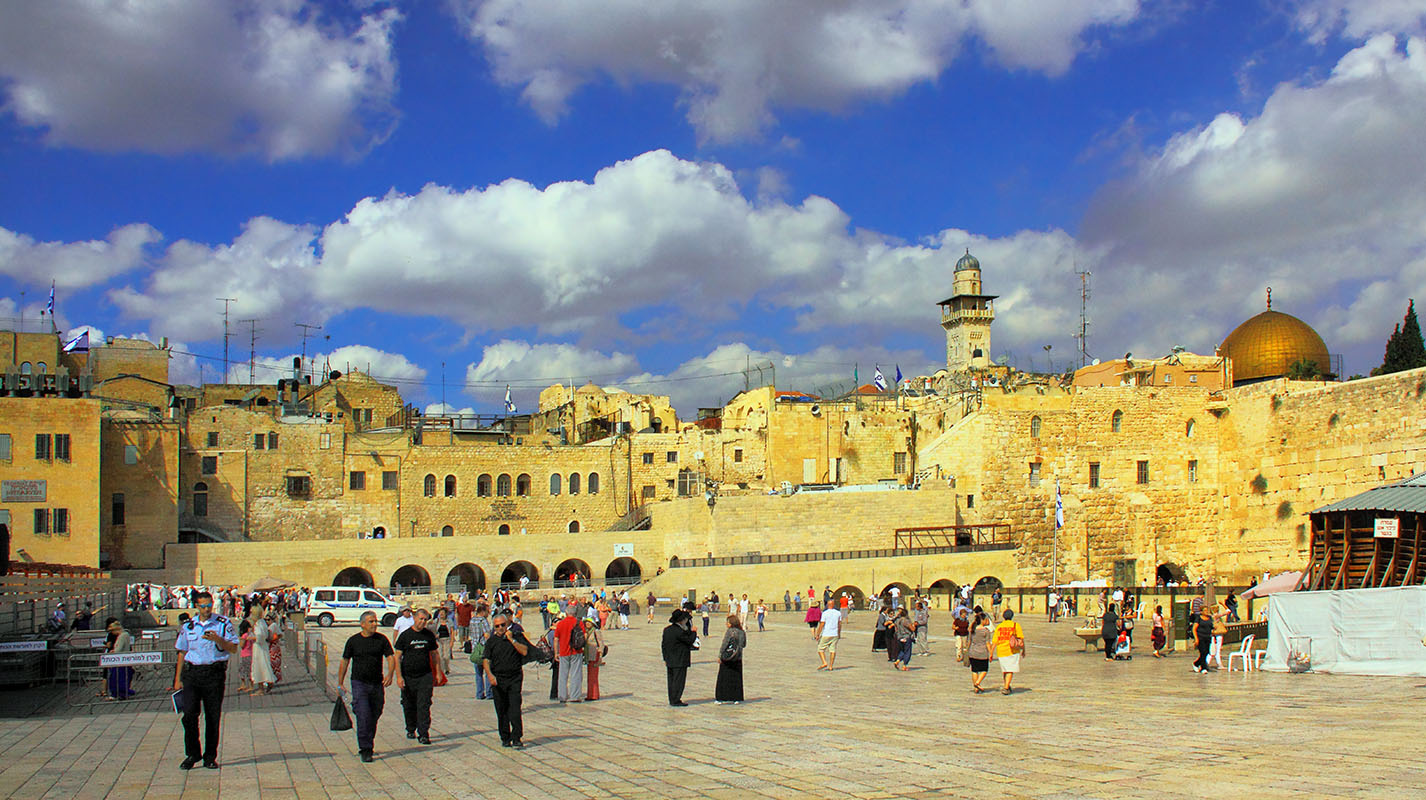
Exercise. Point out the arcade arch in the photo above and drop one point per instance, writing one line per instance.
(465, 576)
(411, 576)
(623, 568)
(572, 571)
(353, 576)
(517, 570)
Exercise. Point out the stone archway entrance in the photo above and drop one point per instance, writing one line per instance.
(465, 577)
(353, 576)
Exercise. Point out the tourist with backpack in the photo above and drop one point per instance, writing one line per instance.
(571, 641)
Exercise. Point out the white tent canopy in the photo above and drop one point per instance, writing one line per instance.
(1352, 632)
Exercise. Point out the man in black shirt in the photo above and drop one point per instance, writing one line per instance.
(678, 639)
(365, 653)
(504, 651)
(414, 648)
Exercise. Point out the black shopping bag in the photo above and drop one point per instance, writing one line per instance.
(341, 718)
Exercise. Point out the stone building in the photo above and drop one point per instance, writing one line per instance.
(966, 315)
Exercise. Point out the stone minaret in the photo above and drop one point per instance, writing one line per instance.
(966, 315)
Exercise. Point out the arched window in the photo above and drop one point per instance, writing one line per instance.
(574, 483)
(592, 486)
(448, 531)
(450, 486)
(41, 367)
(1188, 429)
(200, 499)
(574, 526)
(503, 530)
(482, 486)
(502, 485)
(429, 487)
(1034, 427)
(555, 484)
(522, 485)
(1116, 422)
(26, 368)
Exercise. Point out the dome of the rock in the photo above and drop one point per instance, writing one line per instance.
(1267, 346)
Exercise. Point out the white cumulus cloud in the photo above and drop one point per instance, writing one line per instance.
(735, 61)
(385, 366)
(74, 265)
(275, 78)
(1359, 19)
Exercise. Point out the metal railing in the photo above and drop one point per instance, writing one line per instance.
(961, 538)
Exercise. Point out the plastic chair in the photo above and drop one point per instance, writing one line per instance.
(1245, 652)
(1257, 657)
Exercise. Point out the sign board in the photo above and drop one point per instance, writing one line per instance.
(17, 491)
(24, 647)
(99, 641)
(1387, 528)
(623, 550)
(130, 659)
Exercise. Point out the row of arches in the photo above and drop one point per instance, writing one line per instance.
(503, 485)
(468, 576)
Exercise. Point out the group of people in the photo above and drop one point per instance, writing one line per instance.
(229, 601)
(737, 607)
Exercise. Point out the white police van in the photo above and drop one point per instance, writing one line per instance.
(333, 604)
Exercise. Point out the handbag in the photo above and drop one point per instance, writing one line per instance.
(341, 718)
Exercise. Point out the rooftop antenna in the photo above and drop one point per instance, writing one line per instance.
(1082, 335)
(226, 301)
(252, 347)
(306, 331)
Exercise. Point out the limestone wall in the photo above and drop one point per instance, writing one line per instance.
(149, 490)
(69, 485)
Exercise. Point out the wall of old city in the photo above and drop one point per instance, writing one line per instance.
(138, 489)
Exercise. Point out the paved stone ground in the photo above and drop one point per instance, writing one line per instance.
(1076, 727)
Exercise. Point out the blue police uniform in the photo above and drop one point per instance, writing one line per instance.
(204, 674)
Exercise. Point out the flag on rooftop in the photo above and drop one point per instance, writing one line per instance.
(898, 374)
(879, 380)
(80, 342)
(509, 404)
(49, 308)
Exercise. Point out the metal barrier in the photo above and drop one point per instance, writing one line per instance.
(142, 676)
(315, 660)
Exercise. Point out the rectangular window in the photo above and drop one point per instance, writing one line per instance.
(1034, 475)
(366, 415)
(272, 441)
(42, 447)
(326, 595)
(970, 501)
(898, 463)
(116, 509)
(358, 481)
(348, 595)
(200, 504)
(61, 446)
(61, 521)
(1143, 477)
(1168, 379)
(671, 456)
(326, 441)
(1193, 471)
(259, 441)
(131, 454)
(299, 486)
(389, 480)
(4, 447)
(212, 438)
(647, 493)
(42, 521)
(737, 455)
(1094, 474)
(648, 458)
(210, 465)
(1193, 379)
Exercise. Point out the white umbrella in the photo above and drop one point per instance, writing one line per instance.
(1285, 582)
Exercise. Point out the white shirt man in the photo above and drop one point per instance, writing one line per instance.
(895, 597)
(829, 630)
(403, 622)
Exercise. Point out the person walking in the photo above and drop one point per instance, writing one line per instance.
(762, 615)
(205, 643)
(464, 611)
(594, 650)
(923, 626)
(786, 600)
(404, 619)
(1009, 648)
(545, 611)
(1202, 627)
(571, 654)
(245, 656)
(373, 665)
(650, 600)
(962, 627)
(814, 614)
(826, 634)
(480, 630)
(445, 640)
(1109, 631)
(729, 687)
(796, 602)
(263, 676)
(624, 611)
(743, 612)
(501, 665)
(1220, 628)
(414, 648)
(1158, 636)
(978, 650)
(705, 610)
(905, 635)
(996, 598)
(678, 644)
(1052, 606)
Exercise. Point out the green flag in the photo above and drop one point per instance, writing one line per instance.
(855, 380)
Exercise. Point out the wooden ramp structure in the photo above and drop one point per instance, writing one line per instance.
(1370, 540)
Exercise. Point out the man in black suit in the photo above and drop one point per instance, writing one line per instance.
(678, 643)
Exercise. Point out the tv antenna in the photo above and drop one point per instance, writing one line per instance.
(252, 347)
(306, 332)
(226, 301)
(1082, 335)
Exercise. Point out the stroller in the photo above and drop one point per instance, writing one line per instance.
(1123, 648)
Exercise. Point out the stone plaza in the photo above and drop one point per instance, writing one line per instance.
(1076, 726)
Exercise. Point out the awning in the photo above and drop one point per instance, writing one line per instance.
(268, 584)
(1285, 582)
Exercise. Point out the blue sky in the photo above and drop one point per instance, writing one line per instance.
(654, 195)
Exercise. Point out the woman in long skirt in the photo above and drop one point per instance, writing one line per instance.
(263, 676)
(730, 663)
(275, 652)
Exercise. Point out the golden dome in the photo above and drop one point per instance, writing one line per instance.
(1267, 345)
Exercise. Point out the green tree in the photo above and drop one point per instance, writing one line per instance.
(1404, 348)
(1304, 369)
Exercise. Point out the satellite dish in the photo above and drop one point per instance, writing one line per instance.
(698, 456)
(1094, 363)
(816, 409)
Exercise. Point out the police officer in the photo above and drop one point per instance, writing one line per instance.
(204, 644)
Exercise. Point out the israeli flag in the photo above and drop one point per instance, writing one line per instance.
(80, 342)
(1059, 508)
(898, 374)
(49, 309)
(509, 404)
(880, 380)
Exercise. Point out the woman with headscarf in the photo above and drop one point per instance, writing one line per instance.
(1109, 631)
(729, 688)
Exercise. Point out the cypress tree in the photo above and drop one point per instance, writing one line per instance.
(1412, 351)
(1389, 359)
